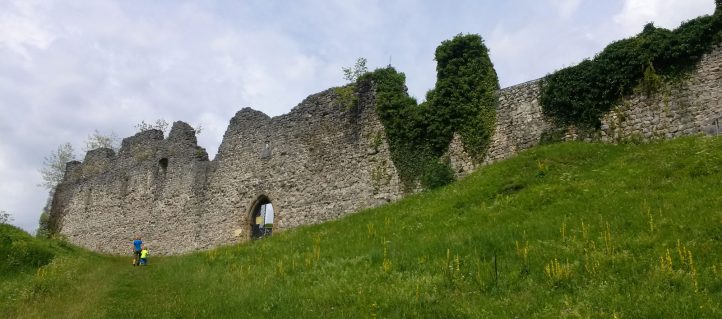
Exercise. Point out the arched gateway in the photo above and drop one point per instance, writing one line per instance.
(261, 218)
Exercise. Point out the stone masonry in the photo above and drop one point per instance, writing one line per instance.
(321, 161)
(690, 106)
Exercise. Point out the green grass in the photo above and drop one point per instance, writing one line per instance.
(562, 231)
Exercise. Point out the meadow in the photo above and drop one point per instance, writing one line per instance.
(570, 230)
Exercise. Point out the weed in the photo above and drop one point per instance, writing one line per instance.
(557, 272)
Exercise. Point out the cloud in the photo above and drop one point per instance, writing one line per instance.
(664, 13)
(565, 8)
(19, 30)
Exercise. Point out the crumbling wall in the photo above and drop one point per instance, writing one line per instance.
(689, 106)
(321, 161)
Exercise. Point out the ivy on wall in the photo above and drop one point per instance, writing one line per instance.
(463, 101)
(581, 94)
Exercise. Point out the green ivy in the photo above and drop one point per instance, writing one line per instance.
(347, 96)
(403, 124)
(581, 94)
(463, 101)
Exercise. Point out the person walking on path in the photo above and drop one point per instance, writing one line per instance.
(137, 247)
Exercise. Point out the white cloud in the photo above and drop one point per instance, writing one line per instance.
(566, 8)
(19, 29)
(664, 13)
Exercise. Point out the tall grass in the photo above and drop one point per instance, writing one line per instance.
(568, 230)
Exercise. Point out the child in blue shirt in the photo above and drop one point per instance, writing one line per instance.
(137, 247)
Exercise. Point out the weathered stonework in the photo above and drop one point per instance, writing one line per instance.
(321, 161)
(690, 106)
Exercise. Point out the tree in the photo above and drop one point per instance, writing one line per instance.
(159, 124)
(353, 73)
(5, 217)
(718, 6)
(347, 93)
(44, 226)
(53, 169)
(198, 128)
(97, 140)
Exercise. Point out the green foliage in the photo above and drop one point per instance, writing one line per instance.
(5, 217)
(354, 73)
(651, 82)
(347, 96)
(98, 140)
(22, 252)
(581, 94)
(159, 124)
(53, 169)
(462, 101)
(44, 226)
(403, 123)
(437, 174)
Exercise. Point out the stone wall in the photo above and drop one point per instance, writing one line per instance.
(689, 106)
(321, 161)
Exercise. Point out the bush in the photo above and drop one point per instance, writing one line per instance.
(463, 100)
(437, 174)
(20, 251)
(581, 94)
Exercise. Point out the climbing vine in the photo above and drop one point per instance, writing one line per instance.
(581, 94)
(463, 101)
(464, 98)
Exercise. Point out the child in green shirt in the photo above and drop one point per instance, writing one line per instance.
(144, 256)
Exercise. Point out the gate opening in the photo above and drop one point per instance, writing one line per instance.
(262, 218)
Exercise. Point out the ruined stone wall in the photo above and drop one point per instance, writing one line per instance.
(321, 161)
(689, 106)
(107, 199)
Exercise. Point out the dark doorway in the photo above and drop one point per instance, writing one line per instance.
(262, 218)
(163, 166)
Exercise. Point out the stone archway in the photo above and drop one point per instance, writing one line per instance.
(262, 216)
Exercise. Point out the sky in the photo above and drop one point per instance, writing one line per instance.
(68, 67)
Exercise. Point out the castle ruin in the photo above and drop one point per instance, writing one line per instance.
(319, 162)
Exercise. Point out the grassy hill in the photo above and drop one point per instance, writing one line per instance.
(562, 231)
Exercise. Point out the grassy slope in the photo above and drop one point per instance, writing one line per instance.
(590, 233)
